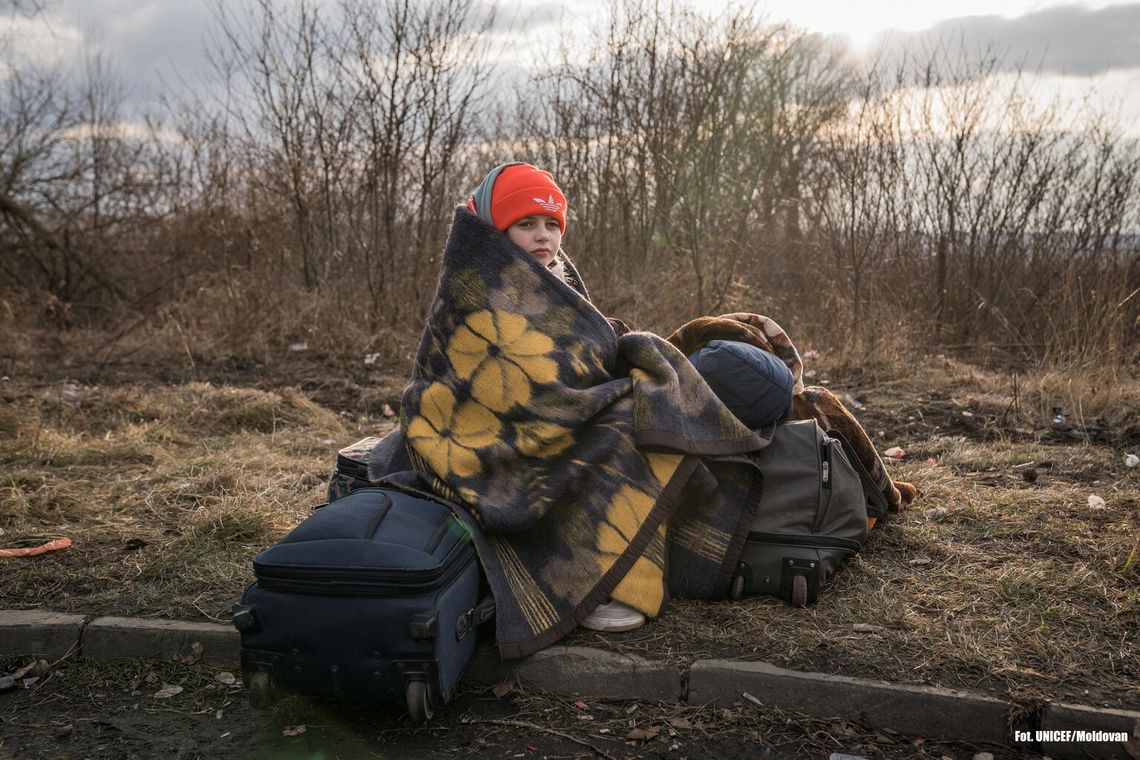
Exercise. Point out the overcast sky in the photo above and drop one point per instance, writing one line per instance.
(1074, 45)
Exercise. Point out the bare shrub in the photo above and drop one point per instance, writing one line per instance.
(978, 216)
(684, 141)
(713, 163)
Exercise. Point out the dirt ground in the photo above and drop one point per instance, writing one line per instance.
(113, 712)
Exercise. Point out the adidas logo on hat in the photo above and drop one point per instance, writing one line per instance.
(549, 204)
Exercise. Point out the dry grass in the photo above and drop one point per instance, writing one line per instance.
(1001, 577)
(166, 492)
(989, 582)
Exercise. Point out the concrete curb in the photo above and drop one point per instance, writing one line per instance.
(926, 711)
(50, 635)
(118, 638)
(582, 671)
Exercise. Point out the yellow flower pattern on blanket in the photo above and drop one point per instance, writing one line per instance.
(447, 435)
(501, 356)
(643, 587)
(542, 439)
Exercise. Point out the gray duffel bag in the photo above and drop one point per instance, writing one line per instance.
(813, 514)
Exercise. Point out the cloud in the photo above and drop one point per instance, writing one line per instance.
(146, 38)
(1066, 39)
(31, 39)
(142, 40)
(516, 17)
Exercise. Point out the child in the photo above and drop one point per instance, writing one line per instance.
(524, 202)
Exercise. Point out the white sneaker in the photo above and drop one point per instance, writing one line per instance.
(613, 616)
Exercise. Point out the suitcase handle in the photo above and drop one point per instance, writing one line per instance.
(485, 610)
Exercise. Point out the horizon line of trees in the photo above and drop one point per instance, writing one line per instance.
(712, 164)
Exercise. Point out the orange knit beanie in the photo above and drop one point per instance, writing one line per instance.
(515, 190)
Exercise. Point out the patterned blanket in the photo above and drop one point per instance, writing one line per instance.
(579, 459)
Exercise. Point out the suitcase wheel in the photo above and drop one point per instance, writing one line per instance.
(799, 590)
(261, 692)
(418, 695)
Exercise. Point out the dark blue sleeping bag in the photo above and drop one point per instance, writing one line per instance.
(754, 384)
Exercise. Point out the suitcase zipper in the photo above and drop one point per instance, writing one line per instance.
(827, 473)
(825, 465)
(366, 581)
(811, 542)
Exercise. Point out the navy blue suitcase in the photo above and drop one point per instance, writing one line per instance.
(374, 596)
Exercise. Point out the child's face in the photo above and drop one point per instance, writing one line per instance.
(538, 235)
